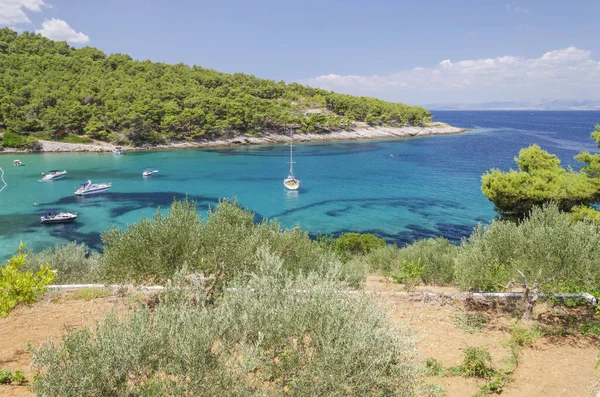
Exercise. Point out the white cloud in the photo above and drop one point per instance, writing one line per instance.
(568, 73)
(59, 30)
(13, 11)
(517, 9)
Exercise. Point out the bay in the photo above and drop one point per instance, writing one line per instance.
(401, 190)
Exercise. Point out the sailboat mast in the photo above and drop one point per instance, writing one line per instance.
(291, 159)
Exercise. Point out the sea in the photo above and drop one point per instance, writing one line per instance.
(401, 190)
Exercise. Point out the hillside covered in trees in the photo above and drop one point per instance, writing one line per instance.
(51, 90)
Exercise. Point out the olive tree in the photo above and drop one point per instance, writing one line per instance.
(546, 253)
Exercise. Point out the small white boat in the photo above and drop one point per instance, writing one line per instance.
(149, 171)
(118, 150)
(92, 188)
(53, 175)
(291, 182)
(18, 163)
(53, 216)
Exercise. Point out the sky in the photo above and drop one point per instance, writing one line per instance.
(417, 52)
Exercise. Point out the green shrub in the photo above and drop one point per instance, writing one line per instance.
(72, 138)
(435, 255)
(5, 377)
(224, 244)
(72, 263)
(356, 244)
(12, 140)
(434, 367)
(153, 249)
(19, 378)
(17, 286)
(477, 362)
(384, 260)
(542, 254)
(273, 333)
(409, 274)
(523, 336)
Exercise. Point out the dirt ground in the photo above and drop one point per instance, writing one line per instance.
(561, 366)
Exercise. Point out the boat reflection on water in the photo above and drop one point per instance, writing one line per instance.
(290, 199)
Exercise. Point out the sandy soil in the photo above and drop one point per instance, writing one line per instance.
(363, 131)
(45, 320)
(557, 367)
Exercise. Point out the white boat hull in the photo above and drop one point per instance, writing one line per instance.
(52, 177)
(66, 217)
(91, 191)
(291, 186)
(149, 173)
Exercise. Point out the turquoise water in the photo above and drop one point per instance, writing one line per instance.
(401, 190)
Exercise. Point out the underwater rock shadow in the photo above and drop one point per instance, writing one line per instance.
(416, 205)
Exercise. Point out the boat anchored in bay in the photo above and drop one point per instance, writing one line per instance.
(118, 150)
(92, 188)
(53, 175)
(149, 171)
(291, 182)
(53, 216)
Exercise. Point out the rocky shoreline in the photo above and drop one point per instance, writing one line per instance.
(267, 138)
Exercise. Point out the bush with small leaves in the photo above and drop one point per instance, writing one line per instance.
(273, 332)
(224, 244)
(545, 253)
(436, 255)
(72, 263)
(356, 244)
(477, 362)
(409, 274)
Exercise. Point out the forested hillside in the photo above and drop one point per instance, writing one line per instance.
(51, 90)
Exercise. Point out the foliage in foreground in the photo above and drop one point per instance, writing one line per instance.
(546, 253)
(8, 378)
(436, 256)
(52, 87)
(224, 244)
(272, 333)
(72, 263)
(18, 286)
(356, 244)
(540, 180)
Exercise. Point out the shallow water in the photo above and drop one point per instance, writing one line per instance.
(400, 190)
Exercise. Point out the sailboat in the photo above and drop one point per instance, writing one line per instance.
(291, 182)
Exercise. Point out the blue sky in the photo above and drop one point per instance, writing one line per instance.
(411, 51)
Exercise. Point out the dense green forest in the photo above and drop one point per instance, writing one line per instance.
(51, 90)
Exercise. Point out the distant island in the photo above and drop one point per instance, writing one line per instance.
(54, 97)
(510, 105)
(59, 98)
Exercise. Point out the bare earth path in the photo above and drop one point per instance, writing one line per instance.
(564, 367)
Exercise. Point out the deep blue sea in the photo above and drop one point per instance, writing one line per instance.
(401, 190)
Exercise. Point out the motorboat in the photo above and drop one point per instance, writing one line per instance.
(92, 188)
(291, 182)
(53, 175)
(149, 171)
(53, 216)
(118, 150)
(18, 163)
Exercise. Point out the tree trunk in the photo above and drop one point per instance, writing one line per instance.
(529, 298)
